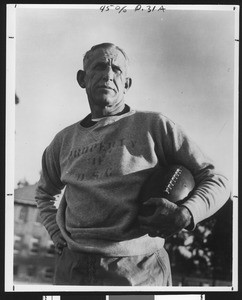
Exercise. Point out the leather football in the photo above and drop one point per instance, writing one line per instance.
(174, 183)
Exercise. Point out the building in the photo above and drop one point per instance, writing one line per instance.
(33, 249)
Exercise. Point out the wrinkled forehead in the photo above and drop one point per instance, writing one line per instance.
(106, 54)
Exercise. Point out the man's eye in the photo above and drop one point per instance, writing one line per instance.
(117, 70)
(100, 67)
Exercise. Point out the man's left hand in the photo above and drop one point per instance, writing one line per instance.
(167, 219)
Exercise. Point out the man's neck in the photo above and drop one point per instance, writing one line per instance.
(107, 111)
(89, 120)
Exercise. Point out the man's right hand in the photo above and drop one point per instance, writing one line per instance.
(60, 243)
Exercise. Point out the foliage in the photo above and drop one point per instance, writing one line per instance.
(206, 251)
(22, 183)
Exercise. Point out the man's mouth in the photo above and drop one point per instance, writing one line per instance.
(105, 87)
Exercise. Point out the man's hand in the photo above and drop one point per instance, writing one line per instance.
(167, 219)
(59, 243)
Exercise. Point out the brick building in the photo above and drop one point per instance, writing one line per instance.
(33, 248)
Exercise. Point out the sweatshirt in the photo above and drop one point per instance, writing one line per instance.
(103, 168)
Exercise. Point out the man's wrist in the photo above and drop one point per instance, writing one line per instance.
(186, 216)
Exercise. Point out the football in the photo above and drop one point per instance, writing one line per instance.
(174, 182)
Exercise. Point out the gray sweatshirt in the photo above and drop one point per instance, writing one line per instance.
(103, 168)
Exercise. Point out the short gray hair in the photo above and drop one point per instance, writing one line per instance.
(105, 46)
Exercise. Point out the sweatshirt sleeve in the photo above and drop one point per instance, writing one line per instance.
(48, 187)
(212, 188)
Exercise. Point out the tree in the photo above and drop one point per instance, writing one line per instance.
(207, 251)
(22, 183)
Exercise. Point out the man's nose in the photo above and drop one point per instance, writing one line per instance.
(108, 74)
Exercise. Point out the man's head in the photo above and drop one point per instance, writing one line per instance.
(105, 79)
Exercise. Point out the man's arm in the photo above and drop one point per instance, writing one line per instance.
(210, 194)
(48, 187)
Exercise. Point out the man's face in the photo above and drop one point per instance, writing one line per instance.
(105, 78)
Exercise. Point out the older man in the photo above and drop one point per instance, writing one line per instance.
(103, 161)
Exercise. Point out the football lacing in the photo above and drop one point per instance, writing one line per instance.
(173, 181)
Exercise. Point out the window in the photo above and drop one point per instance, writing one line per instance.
(49, 273)
(34, 245)
(31, 270)
(17, 244)
(23, 214)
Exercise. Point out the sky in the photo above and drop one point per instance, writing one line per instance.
(181, 63)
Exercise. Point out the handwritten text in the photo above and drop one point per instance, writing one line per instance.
(136, 8)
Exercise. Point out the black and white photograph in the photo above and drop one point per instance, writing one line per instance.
(122, 136)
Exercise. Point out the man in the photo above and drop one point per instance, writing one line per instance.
(103, 161)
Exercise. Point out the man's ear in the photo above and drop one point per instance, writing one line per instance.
(80, 78)
(128, 84)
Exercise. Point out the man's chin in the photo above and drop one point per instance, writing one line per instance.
(106, 101)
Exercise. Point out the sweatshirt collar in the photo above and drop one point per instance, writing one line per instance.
(89, 122)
